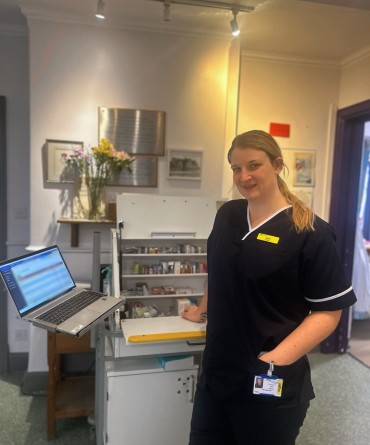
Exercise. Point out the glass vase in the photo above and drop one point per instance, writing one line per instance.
(88, 200)
(96, 203)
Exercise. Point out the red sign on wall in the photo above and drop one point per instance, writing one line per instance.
(282, 130)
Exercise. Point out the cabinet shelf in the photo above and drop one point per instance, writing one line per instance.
(163, 255)
(139, 255)
(166, 275)
(152, 296)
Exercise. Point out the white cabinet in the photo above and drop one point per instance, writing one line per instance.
(147, 405)
(162, 244)
(164, 247)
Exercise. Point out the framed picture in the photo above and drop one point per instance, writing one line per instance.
(305, 195)
(56, 170)
(304, 168)
(184, 164)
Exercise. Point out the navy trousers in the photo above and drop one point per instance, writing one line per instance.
(215, 422)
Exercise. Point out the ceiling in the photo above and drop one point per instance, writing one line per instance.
(330, 30)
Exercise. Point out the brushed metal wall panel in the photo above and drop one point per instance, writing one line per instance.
(135, 131)
(144, 173)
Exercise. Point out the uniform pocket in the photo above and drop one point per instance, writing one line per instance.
(295, 377)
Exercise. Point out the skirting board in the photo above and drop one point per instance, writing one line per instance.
(17, 362)
(35, 383)
(4, 355)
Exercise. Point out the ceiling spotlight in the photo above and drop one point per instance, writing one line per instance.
(167, 10)
(100, 9)
(235, 31)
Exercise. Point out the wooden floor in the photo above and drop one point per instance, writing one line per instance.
(359, 343)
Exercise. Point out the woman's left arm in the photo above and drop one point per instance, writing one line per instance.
(313, 330)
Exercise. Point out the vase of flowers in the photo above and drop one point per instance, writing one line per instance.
(93, 170)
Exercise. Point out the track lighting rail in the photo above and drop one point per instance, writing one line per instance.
(212, 4)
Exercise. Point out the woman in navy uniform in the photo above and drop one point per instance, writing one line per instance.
(276, 289)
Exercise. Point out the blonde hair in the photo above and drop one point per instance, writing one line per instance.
(302, 216)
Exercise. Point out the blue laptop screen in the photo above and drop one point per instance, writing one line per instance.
(36, 278)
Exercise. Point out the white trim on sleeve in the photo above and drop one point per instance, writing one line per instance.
(333, 297)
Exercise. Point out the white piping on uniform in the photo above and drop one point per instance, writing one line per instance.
(263, 222)
(333, 297)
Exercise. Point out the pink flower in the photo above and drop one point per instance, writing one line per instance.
(122, 155)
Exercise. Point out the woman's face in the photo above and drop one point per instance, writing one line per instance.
(253, 173)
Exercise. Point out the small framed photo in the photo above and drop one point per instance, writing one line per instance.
(57, 170)
(304, 168)
(184, 164)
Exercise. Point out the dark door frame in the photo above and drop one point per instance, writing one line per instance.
(344, 199)
(3, 200)
(4, 349)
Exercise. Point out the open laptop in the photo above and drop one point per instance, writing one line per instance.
(42, 287)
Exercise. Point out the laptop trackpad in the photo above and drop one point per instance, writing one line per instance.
(81, 319)
(100, 305)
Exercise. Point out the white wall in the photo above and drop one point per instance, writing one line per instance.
(355, 80)
(75, 68)
(295, 92)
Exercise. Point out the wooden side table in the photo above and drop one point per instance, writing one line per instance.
(67, 396)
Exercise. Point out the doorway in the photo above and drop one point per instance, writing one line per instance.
(344, 200)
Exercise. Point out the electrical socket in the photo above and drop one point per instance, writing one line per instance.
(21, 335)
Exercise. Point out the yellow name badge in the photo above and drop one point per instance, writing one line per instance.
(268, 238)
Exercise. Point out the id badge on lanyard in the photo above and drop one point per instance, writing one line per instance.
(268, 384)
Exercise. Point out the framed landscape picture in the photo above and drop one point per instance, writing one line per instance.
(184, 164)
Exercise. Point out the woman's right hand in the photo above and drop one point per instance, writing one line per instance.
(194, 313)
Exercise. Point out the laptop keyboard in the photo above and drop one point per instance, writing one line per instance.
(69, 307)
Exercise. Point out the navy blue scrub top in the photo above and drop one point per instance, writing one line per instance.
(262, 283)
